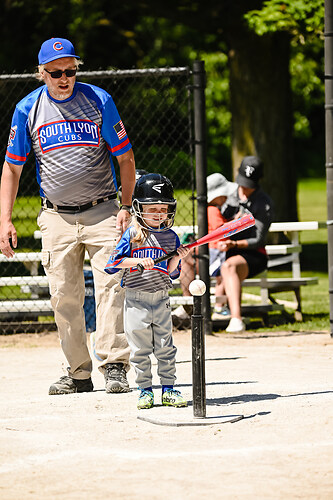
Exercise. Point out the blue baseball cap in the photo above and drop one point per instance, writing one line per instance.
(55, 48)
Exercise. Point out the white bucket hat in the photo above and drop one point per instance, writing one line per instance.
(218, 185)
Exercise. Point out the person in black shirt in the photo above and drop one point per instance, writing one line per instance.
(245, 252)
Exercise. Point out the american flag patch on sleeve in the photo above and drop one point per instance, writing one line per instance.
(120, 130)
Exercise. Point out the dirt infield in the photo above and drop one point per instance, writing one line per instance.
(92, 446)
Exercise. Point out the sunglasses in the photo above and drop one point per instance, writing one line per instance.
(59, 73)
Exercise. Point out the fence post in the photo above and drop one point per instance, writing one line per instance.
(329, 145)
(199, 85)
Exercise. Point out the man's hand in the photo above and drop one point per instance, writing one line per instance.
(7, 233)
(123, 219)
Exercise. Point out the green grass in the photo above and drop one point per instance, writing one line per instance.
(26, 210)
(12, 293)
(26, 206)
(312, 205)
(315, 306)
(184, 211)
(25, 214)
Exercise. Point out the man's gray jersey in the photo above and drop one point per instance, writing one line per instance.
(73, 141)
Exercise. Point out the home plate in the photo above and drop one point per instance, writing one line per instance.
(178, 417)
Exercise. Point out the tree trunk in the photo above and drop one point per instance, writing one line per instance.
(262, 113)
(259, 86)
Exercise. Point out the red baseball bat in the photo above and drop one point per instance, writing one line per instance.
(221, 233)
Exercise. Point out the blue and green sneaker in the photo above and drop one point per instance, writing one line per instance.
(171, 397)
(146, 399)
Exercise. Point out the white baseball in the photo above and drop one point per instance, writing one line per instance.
(197, 287)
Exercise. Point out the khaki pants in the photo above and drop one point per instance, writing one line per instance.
(65, 238)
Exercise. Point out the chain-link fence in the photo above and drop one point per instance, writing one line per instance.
(156, 108)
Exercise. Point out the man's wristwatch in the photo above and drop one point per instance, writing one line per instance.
(128, 208)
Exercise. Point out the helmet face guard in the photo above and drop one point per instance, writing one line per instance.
(166, 221)
(154, 189)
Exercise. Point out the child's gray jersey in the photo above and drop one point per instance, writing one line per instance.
(155, 245)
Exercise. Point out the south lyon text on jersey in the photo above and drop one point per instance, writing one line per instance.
(153, 253)
(143, 252)
(68, 133)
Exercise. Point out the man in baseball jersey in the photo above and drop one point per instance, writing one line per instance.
(74, 129)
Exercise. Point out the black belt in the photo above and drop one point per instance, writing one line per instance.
(75, 208)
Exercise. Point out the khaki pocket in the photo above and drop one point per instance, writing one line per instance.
(49, 271)
(46, 258)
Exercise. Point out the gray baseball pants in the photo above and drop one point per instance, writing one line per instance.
(148, 328)
(65, 238)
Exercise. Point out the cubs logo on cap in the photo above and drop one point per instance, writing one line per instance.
(58, 46)
(55, 48)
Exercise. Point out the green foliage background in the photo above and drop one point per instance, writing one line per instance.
(152, 34)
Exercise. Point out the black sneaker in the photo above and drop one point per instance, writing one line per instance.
(115, 378)
(68, 385)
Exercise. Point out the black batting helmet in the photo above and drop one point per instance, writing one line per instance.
(152, 189)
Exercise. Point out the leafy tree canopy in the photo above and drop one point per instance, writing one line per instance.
(302, 19)
(143, 33)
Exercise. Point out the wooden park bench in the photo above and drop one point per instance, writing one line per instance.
(280, 254)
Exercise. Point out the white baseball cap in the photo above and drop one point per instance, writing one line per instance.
(218, 185)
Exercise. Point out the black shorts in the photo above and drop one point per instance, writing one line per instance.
(256, 261)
